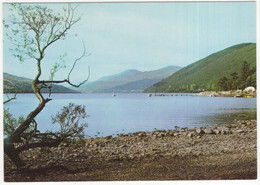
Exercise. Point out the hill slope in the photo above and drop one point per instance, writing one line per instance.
(205, 73)
(128, 81)
(15, 84)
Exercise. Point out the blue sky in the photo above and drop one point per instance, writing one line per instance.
(143, 36)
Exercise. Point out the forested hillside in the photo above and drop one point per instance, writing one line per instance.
(206, 74)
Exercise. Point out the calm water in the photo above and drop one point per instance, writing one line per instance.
(127, 113)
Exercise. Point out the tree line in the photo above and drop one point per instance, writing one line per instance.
(236, 81)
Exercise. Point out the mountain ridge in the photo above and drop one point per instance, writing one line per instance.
(121, 82)
(204, 73)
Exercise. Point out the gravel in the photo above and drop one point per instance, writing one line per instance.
(224, 146)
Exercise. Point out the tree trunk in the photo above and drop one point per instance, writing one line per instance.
(15, 137)
(12, 153)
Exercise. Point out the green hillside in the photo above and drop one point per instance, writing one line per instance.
(15, 84)
(205, 73)
(129, 81)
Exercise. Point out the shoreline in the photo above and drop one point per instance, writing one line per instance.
(218, 152)
(235, 94)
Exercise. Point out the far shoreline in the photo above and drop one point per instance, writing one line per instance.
(202, 94)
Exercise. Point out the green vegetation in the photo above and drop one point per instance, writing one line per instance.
(10, 123)
(15, 84)
(234, 81)
(210, 72)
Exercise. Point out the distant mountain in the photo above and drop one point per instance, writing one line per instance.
(128, 81)
(205, 73)
(121, 76)
(15, 84)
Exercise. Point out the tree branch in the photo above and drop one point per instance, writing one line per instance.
(53, 143)
(30, 135)
(66, 81)
(10, 99)
(72, 68)
(66, 28)
(16, 135)
(78, 59)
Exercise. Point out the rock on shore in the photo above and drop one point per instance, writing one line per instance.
(223, 145)
(233, 93)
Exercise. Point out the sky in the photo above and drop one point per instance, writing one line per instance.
(142, 36)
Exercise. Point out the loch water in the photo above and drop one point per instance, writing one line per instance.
(111, 114)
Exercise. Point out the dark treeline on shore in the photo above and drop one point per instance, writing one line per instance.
(235, 81)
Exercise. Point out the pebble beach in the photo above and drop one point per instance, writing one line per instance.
(212, 153)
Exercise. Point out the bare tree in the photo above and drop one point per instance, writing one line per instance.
(34, 29)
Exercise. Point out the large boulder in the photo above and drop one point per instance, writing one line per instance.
(190, 134)
(200, 131)
(208, 131)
